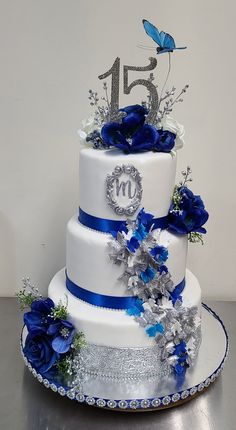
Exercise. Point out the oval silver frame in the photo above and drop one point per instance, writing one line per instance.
(131, 171)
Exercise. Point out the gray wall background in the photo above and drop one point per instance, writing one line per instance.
(51, 53)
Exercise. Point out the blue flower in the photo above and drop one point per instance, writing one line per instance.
(166, 142)
(122, 228)
(163, 269)
(136, 309)
(180, 349)
(133, 244)
(176, 293)
(180, 369)
(147, 275)
(140, 233)
(145, 219)
(38, 319)
(160, 253)
(38, 350)
(62, 332)
(154, 329)
(191, 216)
(181, 352)
(132, 134)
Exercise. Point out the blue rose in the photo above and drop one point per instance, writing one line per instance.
(132, 134)
(191, 215)
(166, 141)
(38, 319)
(39, 352)
(62, 332)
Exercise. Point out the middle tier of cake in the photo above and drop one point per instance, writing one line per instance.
(89, 266)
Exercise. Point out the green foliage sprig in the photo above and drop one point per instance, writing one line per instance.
(64, 366)
(78, 341)
(195, 237)
(60, 311)
(27, 294)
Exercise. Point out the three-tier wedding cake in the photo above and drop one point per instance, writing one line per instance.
(99, 302)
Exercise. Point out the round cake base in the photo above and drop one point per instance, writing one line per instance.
(148, 395)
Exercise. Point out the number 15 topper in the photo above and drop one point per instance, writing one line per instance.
(114, 71)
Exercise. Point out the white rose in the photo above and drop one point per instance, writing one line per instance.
(88, 126)
(170, 124)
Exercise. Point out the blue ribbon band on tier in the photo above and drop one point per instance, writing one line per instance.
(107, 225)
(103, 301)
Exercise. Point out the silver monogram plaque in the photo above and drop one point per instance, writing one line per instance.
(124, 189)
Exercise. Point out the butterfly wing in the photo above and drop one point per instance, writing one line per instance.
(152, 32)
(168, 41)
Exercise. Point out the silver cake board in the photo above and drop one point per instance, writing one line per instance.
(149, 395)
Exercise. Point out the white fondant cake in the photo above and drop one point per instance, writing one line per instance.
(89, 266)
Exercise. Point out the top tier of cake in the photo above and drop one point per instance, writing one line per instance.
(155, 170)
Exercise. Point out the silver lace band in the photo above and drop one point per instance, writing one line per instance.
(127, 363)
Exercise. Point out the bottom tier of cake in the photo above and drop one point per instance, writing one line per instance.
(113, 328)
(117, 346)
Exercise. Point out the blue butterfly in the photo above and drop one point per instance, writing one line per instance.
(154, 329)
(136, 309)
(164, 40)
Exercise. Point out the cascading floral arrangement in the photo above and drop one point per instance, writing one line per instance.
(158, 306)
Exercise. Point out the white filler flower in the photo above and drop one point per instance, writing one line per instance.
(170, 124)
(88, 126)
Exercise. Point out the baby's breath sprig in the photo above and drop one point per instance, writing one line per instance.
(195, 237)
(170, 101)
(78, 341)
(64, 366)
(27, 294)
(60, 311)
(176, 199)
(186, 177)
(93, 97)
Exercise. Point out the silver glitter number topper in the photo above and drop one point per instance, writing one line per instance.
(124, 189)
(114, 71)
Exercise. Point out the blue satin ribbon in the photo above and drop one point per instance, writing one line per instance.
(101, 300)
(108, 225)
